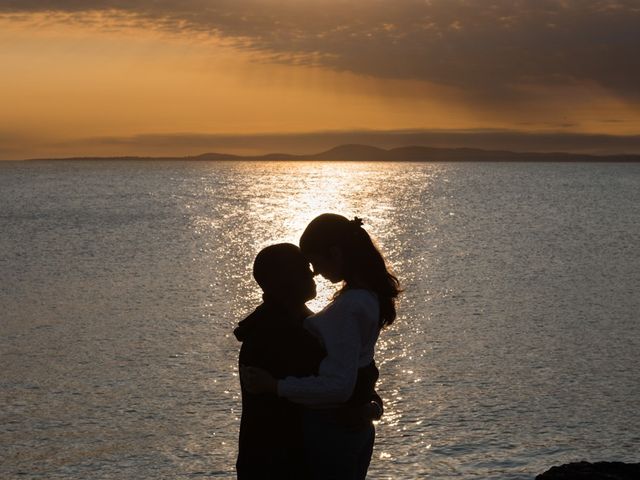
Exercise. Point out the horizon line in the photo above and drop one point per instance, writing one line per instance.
(358, 150)
(184, 144)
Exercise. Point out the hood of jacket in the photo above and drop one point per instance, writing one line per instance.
(249, 325)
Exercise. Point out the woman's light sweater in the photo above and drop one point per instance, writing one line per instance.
(348, 328)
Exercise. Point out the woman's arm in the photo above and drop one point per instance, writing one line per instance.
(340, 326)
(338, 371)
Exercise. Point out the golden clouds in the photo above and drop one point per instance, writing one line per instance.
(108, 68)
(66, 82)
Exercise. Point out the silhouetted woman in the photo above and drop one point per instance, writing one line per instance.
(341, 251)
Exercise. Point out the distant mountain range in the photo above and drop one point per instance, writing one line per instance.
(359, 153)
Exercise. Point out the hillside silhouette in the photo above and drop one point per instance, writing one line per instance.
(359, 153)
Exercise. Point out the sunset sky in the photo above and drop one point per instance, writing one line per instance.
(169, 77)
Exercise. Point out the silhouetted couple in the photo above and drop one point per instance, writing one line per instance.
(308, 380)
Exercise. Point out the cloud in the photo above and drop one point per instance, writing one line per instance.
(493, 49)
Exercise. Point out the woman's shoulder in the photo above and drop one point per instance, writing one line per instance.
(352, 301)
(358, 295)
(358, 300)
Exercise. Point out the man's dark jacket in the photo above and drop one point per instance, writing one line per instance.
(270, 444)
(271, 436)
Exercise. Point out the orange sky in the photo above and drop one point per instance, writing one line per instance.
(82, 72)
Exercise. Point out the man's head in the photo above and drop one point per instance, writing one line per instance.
(284, 274)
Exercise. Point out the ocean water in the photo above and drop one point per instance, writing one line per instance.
(517, 345)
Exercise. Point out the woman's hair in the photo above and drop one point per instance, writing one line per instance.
(362, 259)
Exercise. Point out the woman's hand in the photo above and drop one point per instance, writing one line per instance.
(256, 380)
(372, 410)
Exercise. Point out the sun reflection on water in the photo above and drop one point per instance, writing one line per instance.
(345, 188)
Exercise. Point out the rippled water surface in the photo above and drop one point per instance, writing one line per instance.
(516, 347)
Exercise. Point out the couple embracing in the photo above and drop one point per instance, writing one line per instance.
(308, 380)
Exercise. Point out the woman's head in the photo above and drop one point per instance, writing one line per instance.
(341, 250)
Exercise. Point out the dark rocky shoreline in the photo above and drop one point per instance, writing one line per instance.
(593, 471)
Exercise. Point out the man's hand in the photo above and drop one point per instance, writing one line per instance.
(256, 380)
